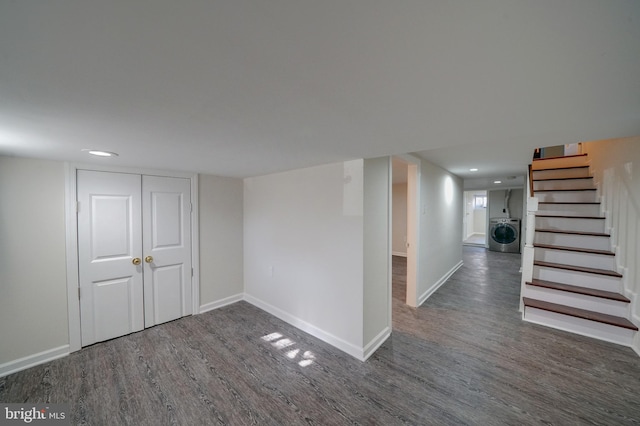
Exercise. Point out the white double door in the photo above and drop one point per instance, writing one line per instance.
(134, 252)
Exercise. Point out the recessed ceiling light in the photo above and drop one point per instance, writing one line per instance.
(100, 153)
(497, 181)
(473, 170)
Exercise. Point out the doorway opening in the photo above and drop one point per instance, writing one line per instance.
(475, 218)
(404, 234)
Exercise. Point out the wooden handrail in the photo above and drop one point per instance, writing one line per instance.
(530, 181)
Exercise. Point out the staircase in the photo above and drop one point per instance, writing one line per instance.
(574, 286)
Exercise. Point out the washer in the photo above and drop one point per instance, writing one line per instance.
(504, 235)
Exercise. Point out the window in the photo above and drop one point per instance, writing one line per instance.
(479, 201)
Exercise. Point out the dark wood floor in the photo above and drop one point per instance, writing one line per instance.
(464, 357)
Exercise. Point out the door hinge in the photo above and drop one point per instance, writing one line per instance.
(78, 293)
(77, 206)
(191, 207)
(191, 271)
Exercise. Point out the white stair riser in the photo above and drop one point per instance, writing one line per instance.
(570, 240)
(554, 163)
(561, 173)
(569, 209)
(582, 279)
(606, 332)
(567, 196)
(570, 224)
(574, 258)
(582, 301)
(563, 184)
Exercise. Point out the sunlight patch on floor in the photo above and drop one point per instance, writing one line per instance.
(279, 341)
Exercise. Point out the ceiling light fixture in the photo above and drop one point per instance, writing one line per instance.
(497, 181)
(100, 153)
(473, 170)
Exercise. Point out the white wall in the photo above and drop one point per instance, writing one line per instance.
(221, 240)
(440, 228)
(33, 289)
(399, 214)
(377, 258)
(496, 197)
(303, 250)
(33, 293)
(616, 164)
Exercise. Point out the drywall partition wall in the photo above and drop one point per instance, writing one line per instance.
(399, 232)
(221, 241)
(440, 228)
(33, 295)
(303, 250)
(377, 259)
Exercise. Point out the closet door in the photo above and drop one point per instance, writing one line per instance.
(109, 252)
(166, 206)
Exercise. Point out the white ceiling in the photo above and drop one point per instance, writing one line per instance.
(246, 87)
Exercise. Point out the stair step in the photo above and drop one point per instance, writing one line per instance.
(580, 313)
(559, 162)
(580, 290)
(565, 190)
(569, 208)
(561, 172)
(557, 231)
(576, 249)
(563, 178)
(558, 183)
(578, 269)
(571, 223)
(569, 216)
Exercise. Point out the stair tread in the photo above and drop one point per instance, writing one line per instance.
(570, 217)
(561, 168)
(565, 190)
(560, 156)
(580, 313)
(569, 202)
(578, 268)
(566, 178)
(558, 231)
(580, 290)
(576, 249)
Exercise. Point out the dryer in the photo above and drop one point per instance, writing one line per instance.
(504, 235)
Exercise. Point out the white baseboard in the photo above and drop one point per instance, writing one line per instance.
(438, 284)
(329, 338)
(220, 303)
(398, 253)
(376, 342)
(33, 360)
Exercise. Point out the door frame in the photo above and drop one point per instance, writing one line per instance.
(71, 238)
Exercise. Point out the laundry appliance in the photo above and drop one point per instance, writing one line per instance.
(504, 235)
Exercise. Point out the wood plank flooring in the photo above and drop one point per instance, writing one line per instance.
(464, 357)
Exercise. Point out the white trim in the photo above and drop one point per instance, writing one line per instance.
(329, 338)
(71, 225)
(220, 303)
(438, 284)
(397, 253)
(375, 343)
(33, 360)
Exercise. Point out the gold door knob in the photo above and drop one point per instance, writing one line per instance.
(148, 259)
(136, 261)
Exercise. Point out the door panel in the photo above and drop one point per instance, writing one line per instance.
(166, 205)
(109, 237)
